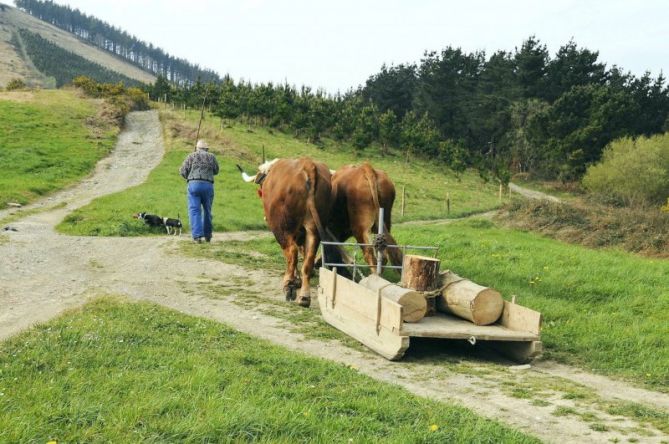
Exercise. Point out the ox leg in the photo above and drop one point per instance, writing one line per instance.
(289, 281)
(362, 237)
(310, 249)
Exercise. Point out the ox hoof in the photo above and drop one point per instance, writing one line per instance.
(290, 291)
(304, 301)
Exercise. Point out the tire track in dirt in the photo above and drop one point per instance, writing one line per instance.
(44, 273)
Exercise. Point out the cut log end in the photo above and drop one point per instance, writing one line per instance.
(468, 300)
(487, 307)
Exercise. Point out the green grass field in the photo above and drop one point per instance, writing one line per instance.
(46, 143)
(236, 205)
(122, 372)
(603, 310)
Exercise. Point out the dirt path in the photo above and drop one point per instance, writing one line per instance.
(44, 273)
(531, 194)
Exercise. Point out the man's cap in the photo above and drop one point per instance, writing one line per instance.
(201, 144)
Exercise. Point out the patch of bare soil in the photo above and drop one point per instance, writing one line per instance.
(531, 194)
(17, 96)
(44, 273)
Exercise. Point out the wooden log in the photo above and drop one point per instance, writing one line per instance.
(469, 300)
(413, 302)
(431, 301)
(420, 273)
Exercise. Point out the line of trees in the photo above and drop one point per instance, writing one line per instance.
(118, 42)
(54, 61)
(520, 111)
(551, 116)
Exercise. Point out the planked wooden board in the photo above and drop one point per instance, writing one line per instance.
(354, 310)
(517, 317)
(443, 325)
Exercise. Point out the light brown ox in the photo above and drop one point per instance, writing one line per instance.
(359, 192)
(296, 196)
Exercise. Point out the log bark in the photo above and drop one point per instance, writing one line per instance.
(412, 302)
(420, 273)
(469, 300)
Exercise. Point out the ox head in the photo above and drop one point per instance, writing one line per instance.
(263, 170)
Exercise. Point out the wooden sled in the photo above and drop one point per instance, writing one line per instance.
(377, 322)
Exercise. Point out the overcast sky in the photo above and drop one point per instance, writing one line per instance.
(337, 45)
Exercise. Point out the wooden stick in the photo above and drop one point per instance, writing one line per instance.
(197, 136)
(403, 196)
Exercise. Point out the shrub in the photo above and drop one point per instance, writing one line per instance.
(125, 99)
(632, 171)
(15, 84)
(644, 231)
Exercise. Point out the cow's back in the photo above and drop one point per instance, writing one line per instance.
(286, 191)
(353, 189)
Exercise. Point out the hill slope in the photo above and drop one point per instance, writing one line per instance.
(14, 64)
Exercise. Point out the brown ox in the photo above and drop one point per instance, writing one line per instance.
(359, 192)
(296, 196)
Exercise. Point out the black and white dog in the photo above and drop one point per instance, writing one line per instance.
(171, 225)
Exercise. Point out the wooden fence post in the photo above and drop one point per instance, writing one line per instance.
(403, 197)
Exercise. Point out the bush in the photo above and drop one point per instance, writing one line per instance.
(632, 171)
(125, 99)
(644, 231)
(15, 84)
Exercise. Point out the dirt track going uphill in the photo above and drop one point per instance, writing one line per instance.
(44, 273)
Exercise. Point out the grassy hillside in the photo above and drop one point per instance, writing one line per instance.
(604, 310)
(236, 205)
(47, 142)
(14, 65)
(120, 372)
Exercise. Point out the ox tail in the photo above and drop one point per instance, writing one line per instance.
(395, 254)
(333, 253)
(373, 183)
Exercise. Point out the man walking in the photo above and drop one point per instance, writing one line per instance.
(199, 169)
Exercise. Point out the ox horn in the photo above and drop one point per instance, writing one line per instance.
(245, 176)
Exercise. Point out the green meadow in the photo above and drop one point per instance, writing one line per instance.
(236, 204)
(48, 140)
(603, 310)
(115, 371)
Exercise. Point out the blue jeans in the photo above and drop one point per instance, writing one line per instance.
(200, 198)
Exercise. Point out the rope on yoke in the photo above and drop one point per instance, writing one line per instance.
(380, 242)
